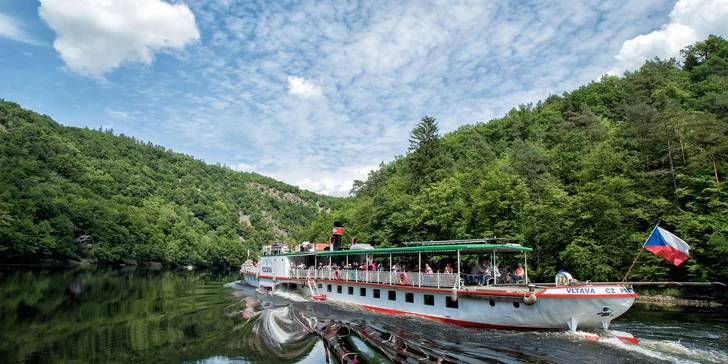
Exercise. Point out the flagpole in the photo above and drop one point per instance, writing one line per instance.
(640, 253)
(633, 263)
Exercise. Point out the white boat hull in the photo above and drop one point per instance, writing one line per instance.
(495, 307)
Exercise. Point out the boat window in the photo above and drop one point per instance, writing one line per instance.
(392, 295)
(449, 303)
(409, 297)
(328, 288)
(320, 286)
(429, 300)
(338, 289)
(351, 290)
(362, 292)
(375, 293)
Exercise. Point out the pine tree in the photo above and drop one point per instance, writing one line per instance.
(424, 151)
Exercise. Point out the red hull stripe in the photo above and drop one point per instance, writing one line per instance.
(566, 295)
(632, 340)
(452, 321)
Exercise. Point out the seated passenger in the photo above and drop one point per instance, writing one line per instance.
(506, 273)
(428, 269)
(477, 274)
(519, 273)
(448, 269)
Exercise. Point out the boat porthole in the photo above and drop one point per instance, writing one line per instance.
(516, 304)
(492, 303)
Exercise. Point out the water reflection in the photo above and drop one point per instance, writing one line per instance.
(362, 343)
(128, 315)
(135, 315)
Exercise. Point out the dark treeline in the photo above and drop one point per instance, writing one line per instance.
(132, 202)
(582, 178)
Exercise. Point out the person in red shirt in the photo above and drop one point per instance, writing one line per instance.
(519, 273)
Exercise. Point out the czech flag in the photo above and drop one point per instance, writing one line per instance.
(667, 245)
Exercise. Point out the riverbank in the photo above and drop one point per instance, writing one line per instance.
(132, 263)
(671, 301)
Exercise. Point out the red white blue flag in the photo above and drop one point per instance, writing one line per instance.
(667, 245)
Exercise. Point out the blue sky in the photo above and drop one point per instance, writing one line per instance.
(317, 95)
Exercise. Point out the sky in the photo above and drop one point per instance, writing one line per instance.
(319, 94)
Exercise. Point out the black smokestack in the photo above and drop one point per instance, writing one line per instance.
(338, 231)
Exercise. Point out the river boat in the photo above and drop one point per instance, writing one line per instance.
(329, 275)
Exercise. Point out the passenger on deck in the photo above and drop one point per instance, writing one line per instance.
(396, 267)
(518, 275)
(477, 274)
(321, 265)
(487, 271)
(448, 269)
(380, 267)
(428, 269)
(506, 273)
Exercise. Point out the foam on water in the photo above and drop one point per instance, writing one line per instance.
(290, 295)
(671, 351)
(234, 285)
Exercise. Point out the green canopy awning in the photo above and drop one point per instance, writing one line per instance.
(444, 248)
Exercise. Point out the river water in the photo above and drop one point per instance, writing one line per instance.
(136, 315)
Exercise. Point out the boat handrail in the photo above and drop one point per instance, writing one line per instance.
(414, 278)
(462, 241)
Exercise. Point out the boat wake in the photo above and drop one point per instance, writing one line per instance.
(290, 295)
(234, 285)
(670, 351)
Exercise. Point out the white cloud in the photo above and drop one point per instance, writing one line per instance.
(96, 36)
(305, 92)
(242, 167)
(384, 67)
(117, 114)
(11, 29)
(690, 21)
(302, 87)
(333, 183)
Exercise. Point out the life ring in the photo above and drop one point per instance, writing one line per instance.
(530, 299)
(402, 279)
(337, 275)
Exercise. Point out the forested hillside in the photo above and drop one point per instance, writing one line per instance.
(132, 202)
(582, 178)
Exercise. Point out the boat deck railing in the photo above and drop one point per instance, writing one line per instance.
(249, 269)
(415, 279)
